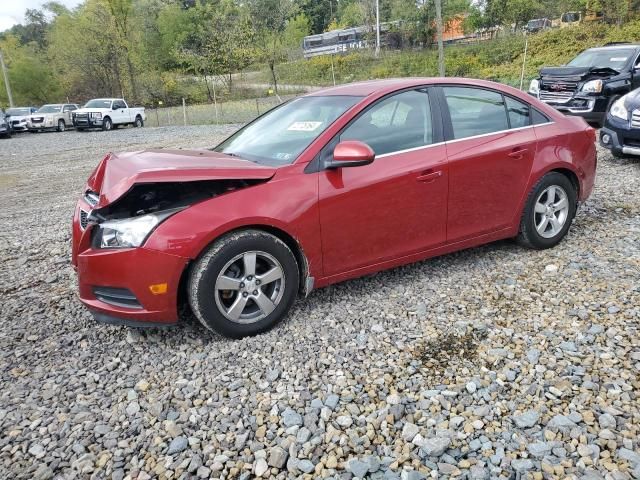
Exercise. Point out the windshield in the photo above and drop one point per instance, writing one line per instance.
(571, 17)
(535, 23)
(278, 137)
(50, 109)
(607, 58)
(18, 112)
(98, 104)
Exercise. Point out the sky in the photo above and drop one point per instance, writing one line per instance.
(12, 11)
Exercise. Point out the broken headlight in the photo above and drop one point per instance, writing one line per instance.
(129, 232)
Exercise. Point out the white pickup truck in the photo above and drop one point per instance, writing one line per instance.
(107, 114)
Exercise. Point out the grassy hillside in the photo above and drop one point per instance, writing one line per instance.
(499, 60)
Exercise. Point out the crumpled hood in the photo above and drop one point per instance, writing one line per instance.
(575, 74)
(117, 173)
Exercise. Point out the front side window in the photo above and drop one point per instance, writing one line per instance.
(98, 103)
(281, 135)
(475, 111)
(399, 122)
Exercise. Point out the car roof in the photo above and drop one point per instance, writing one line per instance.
(371, 87)
(616, 46)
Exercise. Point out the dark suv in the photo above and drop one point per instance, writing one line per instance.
(589, 84)
(5, 125)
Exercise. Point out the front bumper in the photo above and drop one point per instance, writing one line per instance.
(5, 129)
(104, 274)
(622, 139)
(592, 109)
(87, 122)
(46, 124)
(19, 126)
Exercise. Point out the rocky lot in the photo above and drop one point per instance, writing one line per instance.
(496, 362)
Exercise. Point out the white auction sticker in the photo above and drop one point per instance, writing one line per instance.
(304, 126)
(618, 59)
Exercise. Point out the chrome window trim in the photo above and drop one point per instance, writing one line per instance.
(462, 139)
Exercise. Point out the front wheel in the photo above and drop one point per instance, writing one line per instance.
(244, 284)
(107, 124)
(549, 212)
(61, 126)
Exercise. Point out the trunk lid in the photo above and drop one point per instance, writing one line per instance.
(117, 173)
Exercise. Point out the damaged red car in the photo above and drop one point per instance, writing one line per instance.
(330, 186)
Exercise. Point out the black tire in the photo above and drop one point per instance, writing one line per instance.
(138, 123)
(529, 236)
(107, 124)
(205, 272)
(61, 126)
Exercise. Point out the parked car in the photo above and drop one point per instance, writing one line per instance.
(108, 113)
(52, 117)
(330, 186)
(589, 84)
(19, 117)
(5, 125)
(537, 25)
(621, 131)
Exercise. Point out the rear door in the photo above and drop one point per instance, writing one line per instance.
(395, 206)
(491, 145)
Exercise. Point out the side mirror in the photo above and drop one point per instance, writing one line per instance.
(351, 153)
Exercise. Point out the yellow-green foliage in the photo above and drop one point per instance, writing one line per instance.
(499, 59)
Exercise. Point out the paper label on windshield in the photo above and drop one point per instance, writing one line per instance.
(304, 126)
(618, 59)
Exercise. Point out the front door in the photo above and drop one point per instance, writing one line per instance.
(490, 151)
(396, 205)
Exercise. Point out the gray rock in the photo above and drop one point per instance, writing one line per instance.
(306, 466)
(434, 447)
(357, 467)
(607, 421)
(290, 418)
(409, 431)
(522, 465)
(177, 445)
(527, 419)
(332, 401)
(277, 457)
(260, 467)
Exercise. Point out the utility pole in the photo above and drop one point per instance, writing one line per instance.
(377, 28)
(439, 38)
(5, 74)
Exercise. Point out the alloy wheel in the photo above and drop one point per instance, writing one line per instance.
(551, 211)
(249, 287)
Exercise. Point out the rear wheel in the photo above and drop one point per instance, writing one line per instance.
(244, 284)
(138, 123)
(549, 212)
(61, 126)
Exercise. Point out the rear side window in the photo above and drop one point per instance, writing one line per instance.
(395, 123)
(538, 118)
(518, 113)
(475, 111)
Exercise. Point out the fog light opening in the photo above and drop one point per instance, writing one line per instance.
(158, 288)
(606, 139)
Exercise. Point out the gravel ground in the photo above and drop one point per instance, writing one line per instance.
(496, 362)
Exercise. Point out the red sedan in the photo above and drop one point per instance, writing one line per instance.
(330, 186)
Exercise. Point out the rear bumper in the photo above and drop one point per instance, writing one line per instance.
(131, 270)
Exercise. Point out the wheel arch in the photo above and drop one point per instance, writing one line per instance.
(571, 175)
(284, 236)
